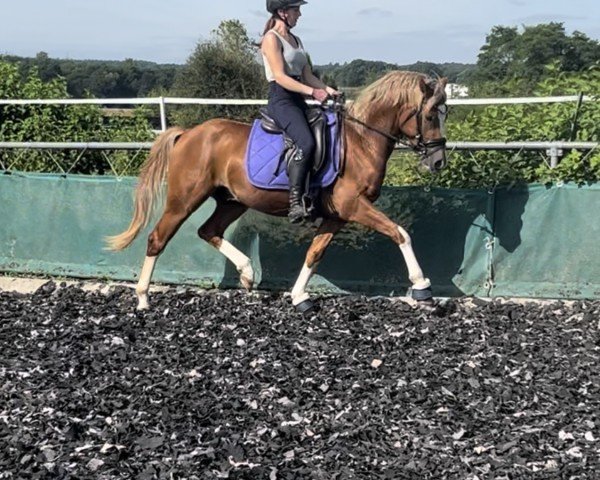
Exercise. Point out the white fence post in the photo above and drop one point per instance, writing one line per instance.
(163, 114)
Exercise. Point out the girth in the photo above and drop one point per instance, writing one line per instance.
(317, 122)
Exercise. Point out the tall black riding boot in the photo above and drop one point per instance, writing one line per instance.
(297, 174)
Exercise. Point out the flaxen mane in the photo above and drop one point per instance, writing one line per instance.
(393, 89)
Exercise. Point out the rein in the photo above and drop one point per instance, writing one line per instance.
(421, 147)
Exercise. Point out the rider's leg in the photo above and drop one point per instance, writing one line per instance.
(288, 110)
(297, 173)
(299, 166)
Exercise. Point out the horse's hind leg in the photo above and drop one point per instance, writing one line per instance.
(213, 230)
(325, 233)
(176, 212)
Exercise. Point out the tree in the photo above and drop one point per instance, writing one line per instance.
(580, 53)
(222, 67)
(48, 68)
(522, 57)
(538, 46)
(498, 54)
(232, 37)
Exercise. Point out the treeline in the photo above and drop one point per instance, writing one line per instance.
(358, 73)
(135, 78)
(511, 61)
(101, 78)
(225, 66)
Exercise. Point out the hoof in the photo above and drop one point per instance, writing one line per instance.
(142, 302)
(246, 282)
(246, 275)
(423, 295)
(141, 308)
(306, 307)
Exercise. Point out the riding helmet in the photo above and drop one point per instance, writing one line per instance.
(274, 5)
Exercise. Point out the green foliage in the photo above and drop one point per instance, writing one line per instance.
(539, 122)
(98, 78)
(542, 60)
(60, 123)
(136, 78)
(359, 73)
(522, 57)
(223, 67)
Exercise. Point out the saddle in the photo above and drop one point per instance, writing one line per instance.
(318, 125)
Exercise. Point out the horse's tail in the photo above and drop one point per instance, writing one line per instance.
(151, 180)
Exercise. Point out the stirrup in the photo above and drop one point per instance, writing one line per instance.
(308, 205)
(296, 214)
(301, 211)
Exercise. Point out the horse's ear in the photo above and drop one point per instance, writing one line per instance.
(427, 85)
(440, 92)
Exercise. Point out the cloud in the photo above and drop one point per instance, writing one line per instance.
(375, 12)
(518, 3)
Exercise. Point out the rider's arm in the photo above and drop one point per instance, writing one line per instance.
(271, 49)
(311, 79)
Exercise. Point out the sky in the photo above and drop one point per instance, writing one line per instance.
(333, 31)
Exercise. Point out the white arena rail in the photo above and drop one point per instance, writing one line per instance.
(553, 149)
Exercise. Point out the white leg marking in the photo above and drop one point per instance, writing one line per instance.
(144, 282)
(242, 263)
(415, 274)
(299, 294)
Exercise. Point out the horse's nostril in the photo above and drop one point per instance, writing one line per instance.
(439, 164)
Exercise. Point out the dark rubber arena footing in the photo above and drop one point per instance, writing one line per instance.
(214, 385)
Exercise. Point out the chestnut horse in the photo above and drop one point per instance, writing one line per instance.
(208, 161)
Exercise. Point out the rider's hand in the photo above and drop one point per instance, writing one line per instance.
(332, 92)
(320, 94)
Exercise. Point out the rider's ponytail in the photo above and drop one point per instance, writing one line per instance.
(268, 26)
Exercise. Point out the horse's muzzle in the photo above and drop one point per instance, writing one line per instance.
(435, 160)
(439, 164)
(433, 154)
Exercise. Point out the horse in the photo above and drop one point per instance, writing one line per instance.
(208, 161)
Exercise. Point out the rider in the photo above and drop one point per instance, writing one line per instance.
(290, 78)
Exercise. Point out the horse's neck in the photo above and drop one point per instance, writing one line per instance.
(368, 151)
(374, 136)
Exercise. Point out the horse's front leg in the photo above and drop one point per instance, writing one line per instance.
(325, 232)
(365, 213)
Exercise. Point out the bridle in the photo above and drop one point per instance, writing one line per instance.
(416, 143)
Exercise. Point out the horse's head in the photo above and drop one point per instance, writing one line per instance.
(409, 108)
(424, 127)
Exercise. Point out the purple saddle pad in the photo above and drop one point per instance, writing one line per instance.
(266, 169)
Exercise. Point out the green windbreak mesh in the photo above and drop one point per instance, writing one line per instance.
(548, 242)
(530, 241)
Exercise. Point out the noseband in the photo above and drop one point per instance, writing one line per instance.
(416, 143)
